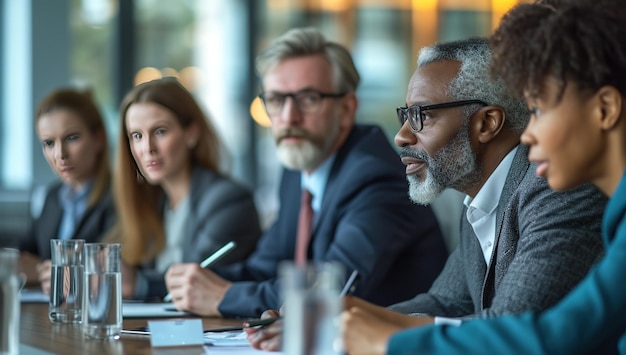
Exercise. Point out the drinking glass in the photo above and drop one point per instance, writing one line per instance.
(102, 304)
(312, 305)
(10, 284)
(66, 280)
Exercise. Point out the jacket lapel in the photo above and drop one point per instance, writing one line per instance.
(499, 264)
(331, 192)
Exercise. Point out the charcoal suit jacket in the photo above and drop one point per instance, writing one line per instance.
(546, 242)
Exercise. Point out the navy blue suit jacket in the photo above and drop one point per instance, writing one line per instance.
(366, 222)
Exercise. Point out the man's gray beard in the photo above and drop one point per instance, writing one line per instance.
(308, 154)
(301, 156)
(454, 166)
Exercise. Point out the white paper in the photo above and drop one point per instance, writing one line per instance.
(213, 350)
(181, 332)
(34, 296)
(236, 338)
(150, 310)
(236, 350)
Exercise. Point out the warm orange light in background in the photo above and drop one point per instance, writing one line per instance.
(475, 5)
(330, 5)
(189, 77)
(166, 72)
(424, 18)
(498, 9)
(393, 4)
(424, 5)
(146, 74)
(257, 111)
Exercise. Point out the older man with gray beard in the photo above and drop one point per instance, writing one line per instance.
(362, 218)
(522, 246)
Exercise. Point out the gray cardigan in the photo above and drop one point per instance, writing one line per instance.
(546, 242)
(221, 210)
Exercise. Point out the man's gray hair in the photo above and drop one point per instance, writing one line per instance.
(300, 42)
(473, 81)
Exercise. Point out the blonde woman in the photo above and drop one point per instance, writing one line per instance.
(74, 142)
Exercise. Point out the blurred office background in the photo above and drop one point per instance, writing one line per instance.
(111, 45)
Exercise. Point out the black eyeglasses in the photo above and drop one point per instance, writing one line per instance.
(415, 113)
(307, 101)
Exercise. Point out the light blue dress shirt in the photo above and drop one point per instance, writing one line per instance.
(74, 204)
(315, 183)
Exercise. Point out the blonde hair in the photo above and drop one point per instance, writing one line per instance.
(140, 221)
(81, 103)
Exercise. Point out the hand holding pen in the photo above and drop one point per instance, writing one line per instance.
(266, 333)
(212, 259)
(195, 289)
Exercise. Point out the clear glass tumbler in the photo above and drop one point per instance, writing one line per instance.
(312, 305)
(102, 304)
(66, 280)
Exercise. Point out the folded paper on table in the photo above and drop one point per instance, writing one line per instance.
(230, 343)
(236, 350)
(34, 296)
(181, 332)
(233, 338)
(150, 310)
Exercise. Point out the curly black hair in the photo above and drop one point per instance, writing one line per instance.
(581, 41)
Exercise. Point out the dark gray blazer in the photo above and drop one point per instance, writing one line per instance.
(546, 242)
(94, 224)
(221, 210)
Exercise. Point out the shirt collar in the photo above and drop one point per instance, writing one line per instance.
(316, 182)
(488, 196)
(68, 195)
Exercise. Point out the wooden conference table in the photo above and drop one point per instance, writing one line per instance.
(38, 333)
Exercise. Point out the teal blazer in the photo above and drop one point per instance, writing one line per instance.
(591, 319)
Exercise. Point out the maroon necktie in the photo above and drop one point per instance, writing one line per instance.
(304, 228)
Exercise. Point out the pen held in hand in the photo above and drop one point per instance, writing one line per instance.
(351, 284)
(260, 323)
(348, 288)
(212, 259)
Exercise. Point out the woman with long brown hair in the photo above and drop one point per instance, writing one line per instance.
(174, 203)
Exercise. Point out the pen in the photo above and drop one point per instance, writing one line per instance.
(219, 253)
(348, 288)
(261, 323)
(350, 285)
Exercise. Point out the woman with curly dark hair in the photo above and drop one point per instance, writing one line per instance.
(569, 63)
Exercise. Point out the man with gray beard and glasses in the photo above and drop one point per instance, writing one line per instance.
(350, 175)
(522, 246)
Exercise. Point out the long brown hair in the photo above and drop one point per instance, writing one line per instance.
(82, 104)
(140, 219)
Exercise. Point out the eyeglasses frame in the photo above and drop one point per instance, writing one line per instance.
(322, 95)
(405, 111)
